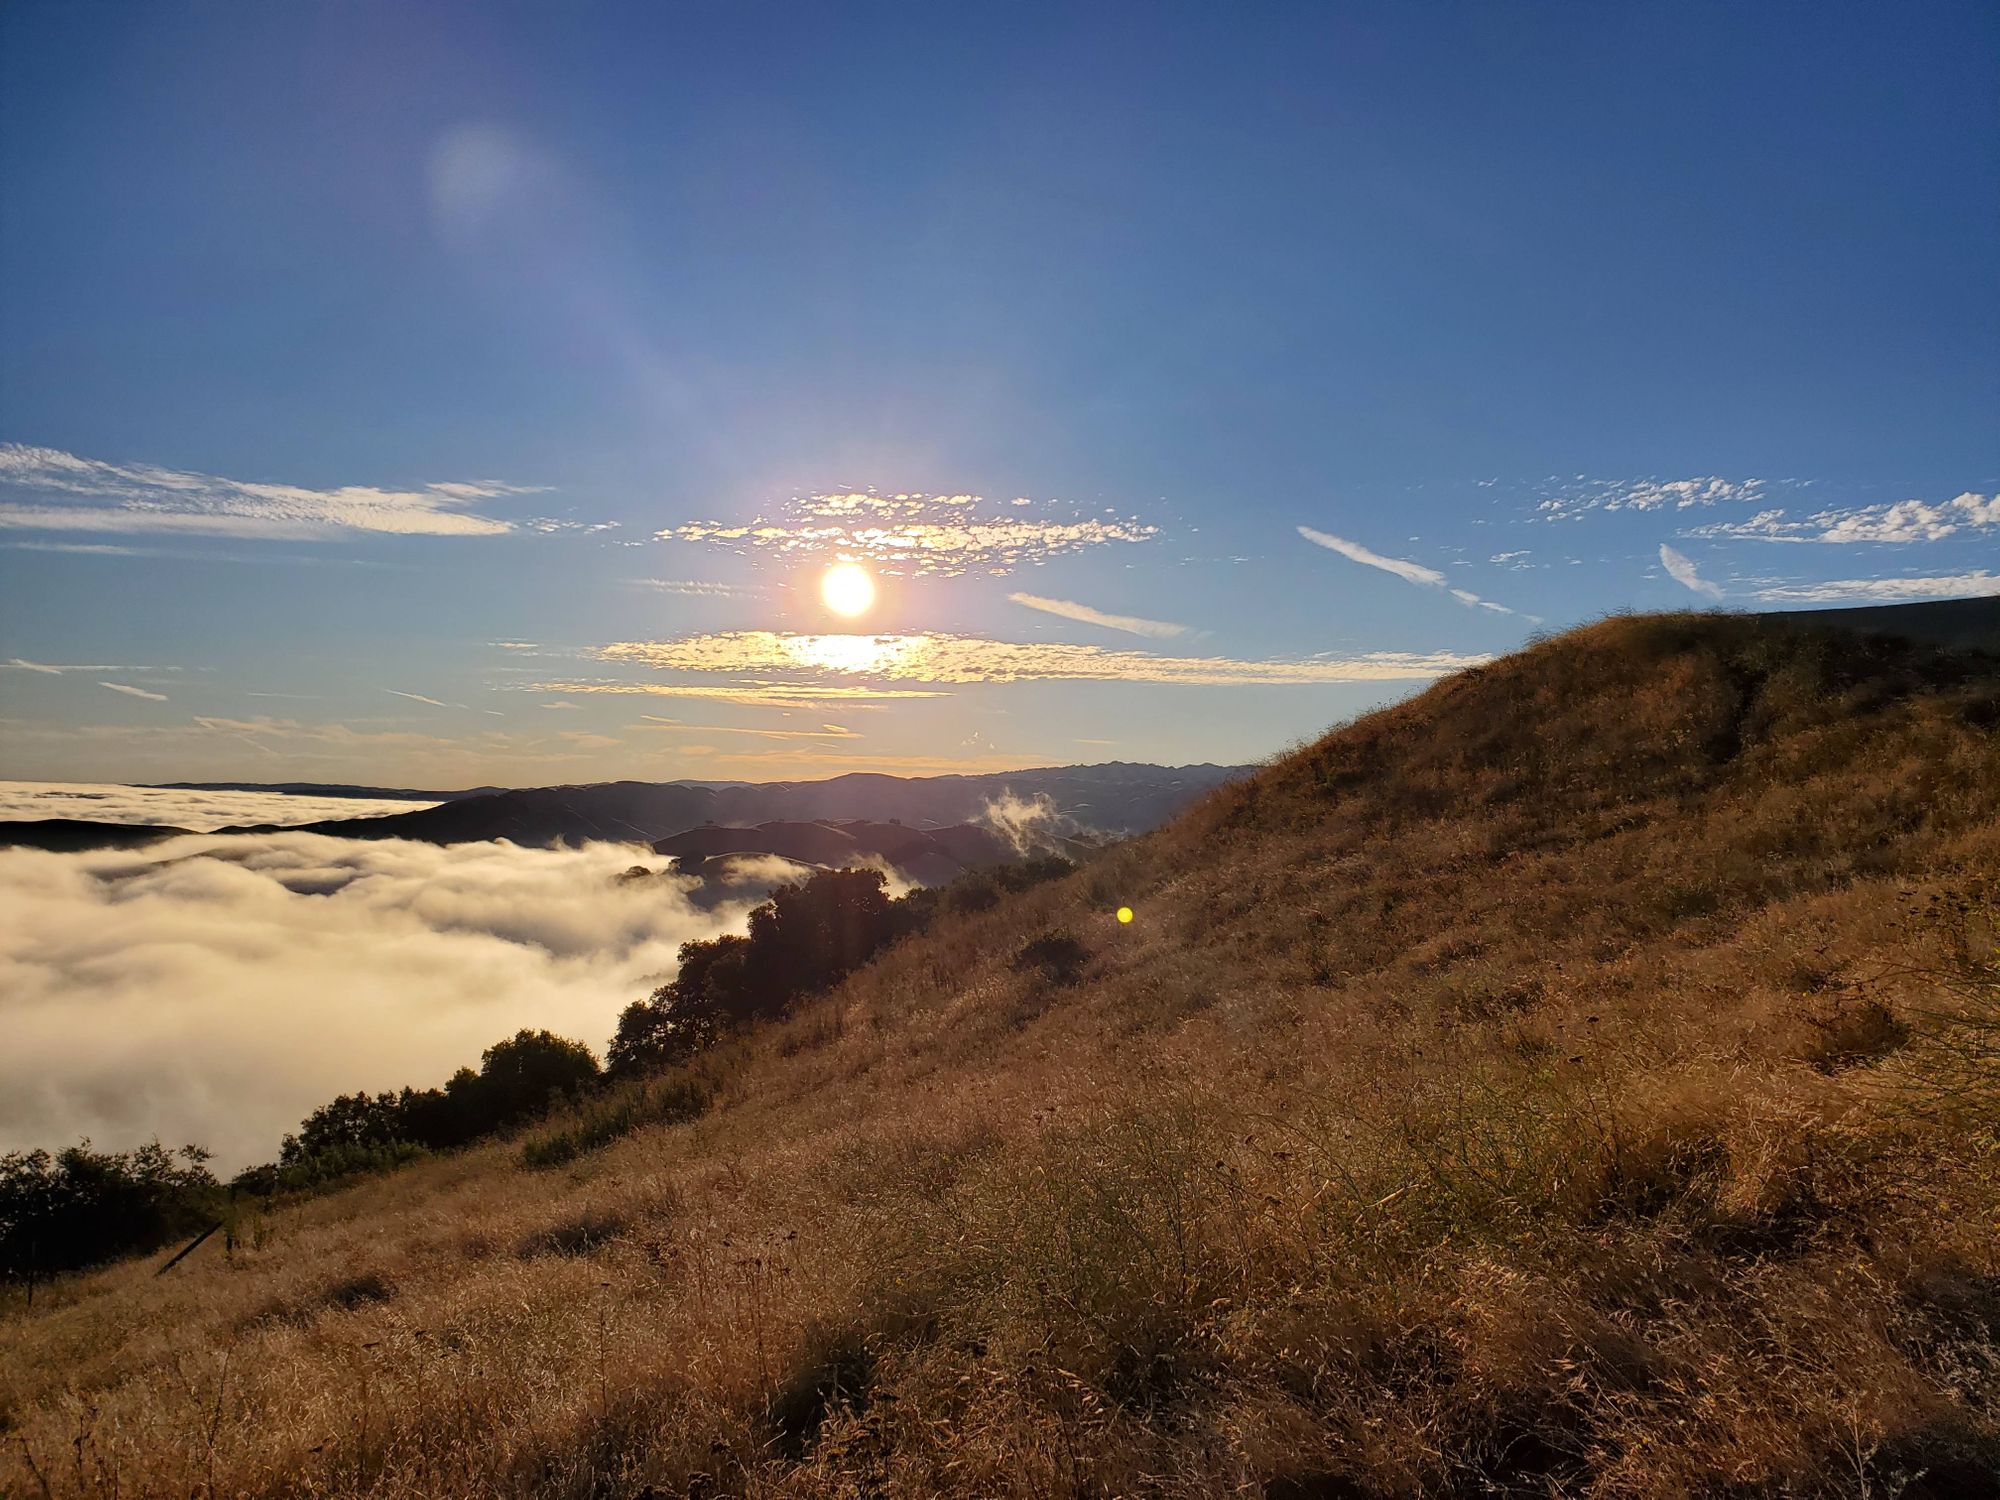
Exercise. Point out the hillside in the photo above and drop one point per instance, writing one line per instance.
(1578, 1079)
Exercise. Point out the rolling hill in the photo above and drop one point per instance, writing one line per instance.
(1577, 1079)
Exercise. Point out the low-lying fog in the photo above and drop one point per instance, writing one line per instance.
(174, 808)
(215, 989)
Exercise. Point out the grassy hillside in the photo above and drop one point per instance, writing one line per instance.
(1578, 1079)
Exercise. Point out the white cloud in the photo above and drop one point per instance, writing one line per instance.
(57, 669)
(176, 807)
(677, 726)
(1084, 614)
(1682, 570)
(700, 588)
(68, 493)
(948, 535)
(139, 997)
(134, 692)
(1355, 552)
(1904, 521)
(1402, 568)
(960, 659)
(1574, 495)
(1883, 590)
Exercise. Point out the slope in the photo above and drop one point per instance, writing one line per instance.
(1568, 1081)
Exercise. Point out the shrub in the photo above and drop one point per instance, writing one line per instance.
(598, 1120)
(81, 1208)
(1056, 957)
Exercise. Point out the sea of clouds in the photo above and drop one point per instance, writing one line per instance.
(213, 989)
(174, 808)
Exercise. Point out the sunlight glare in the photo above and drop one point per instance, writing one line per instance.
(847, 589)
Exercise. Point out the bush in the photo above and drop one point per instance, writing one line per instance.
(1056, 957)
(803, 941)
(597, 1121)
(80, 1208)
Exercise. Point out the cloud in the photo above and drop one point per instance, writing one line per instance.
(211, 746)
(1682, 570)
(68, 493)
(824, 732)
(1028, 825)
(1904, 521)
(753, 694)
(139, 991)
(134, 692)
(420, 698)
(1083, 613)
(701, 588)
(1883, 590)
(1408, 571)
(947, 535)
(1576, 495)
(177, 807)
(57, 669)
(960, 659)
(1355, 552)
(81, 549)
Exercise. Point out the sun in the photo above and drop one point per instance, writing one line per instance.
(847, 589)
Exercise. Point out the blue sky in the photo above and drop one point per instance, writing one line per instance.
(447, 394)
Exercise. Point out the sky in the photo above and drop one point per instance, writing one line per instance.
(442, 395)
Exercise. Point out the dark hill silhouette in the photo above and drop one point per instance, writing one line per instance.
(1114, 798)
(80, 835)
(1968, 624)
(326, 789)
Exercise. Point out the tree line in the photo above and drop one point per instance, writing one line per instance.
(68, 1210)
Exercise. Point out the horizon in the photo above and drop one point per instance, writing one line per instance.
(526, 427)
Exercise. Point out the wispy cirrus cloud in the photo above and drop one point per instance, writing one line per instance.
(1904, 521)
(751, 693)
(58, 669)
(1069, 609)
(1410, 572)
(135, 692)
(678, 726)
(1680, 567)
(1883, 590)
(701, 588)
(947, 535)
(1403, 568)
(63, 492)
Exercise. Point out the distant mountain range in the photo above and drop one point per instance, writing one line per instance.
(322, 789)
(917, 823)
(1114, 798)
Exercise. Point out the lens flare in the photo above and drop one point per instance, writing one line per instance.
(1125, 914)
(847, 589)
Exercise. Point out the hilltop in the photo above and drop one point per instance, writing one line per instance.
(1578, 1078)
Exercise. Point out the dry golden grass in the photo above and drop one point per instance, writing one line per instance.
(1540, 1087)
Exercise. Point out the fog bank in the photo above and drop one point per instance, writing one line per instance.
(215, 989)
(176, 808)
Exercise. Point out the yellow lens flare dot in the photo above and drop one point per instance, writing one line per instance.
(847, 589)
(1125, 914)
